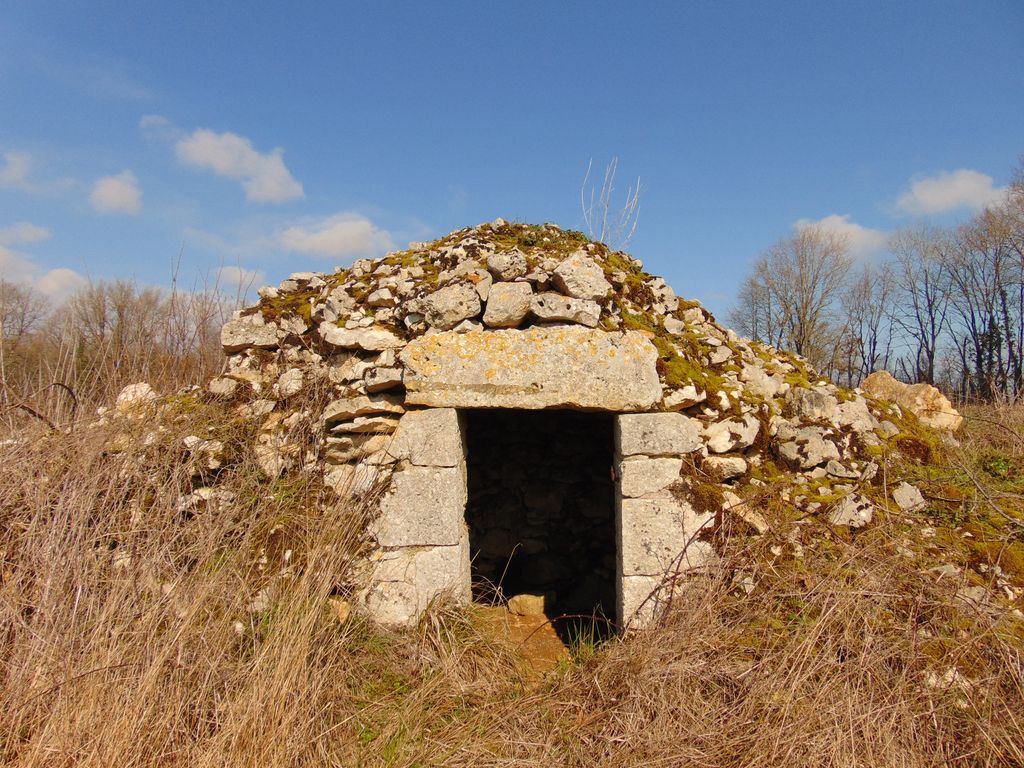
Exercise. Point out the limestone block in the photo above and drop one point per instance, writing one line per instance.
(581, 277)
(674, 325)
(534, 368)
(508, 304)
(683, 398)
(364, 424)
(135, 396)
(404, 581)
(760, 383)
(908, 498)
(856, 415)
(351, 479)
(554, 307)
(372, 339)
(346, 408)
(382, 379)
(381, 298)
(248, 332)
(923, 400)
(852, 510)
(653, 534)
(639, 599)
(731, 434)
(430, 438)
(807, 447)
(656, 434)
(724, 467)
(425, 506)
(812, 404)
(222, 386)
(290, 383)
(449, 306)
(345, 448)
(526, 605)
(507, 265)
(640, 476)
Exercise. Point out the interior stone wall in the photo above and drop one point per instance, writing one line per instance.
(541, 507)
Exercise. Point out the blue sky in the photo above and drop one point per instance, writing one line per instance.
(273, 137)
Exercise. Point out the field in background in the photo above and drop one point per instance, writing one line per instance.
(140, 625)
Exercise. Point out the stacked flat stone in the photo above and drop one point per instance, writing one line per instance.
(518, 316)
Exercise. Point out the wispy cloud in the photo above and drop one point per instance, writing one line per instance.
(16, 173)
(16, 169)
(264, 176)
(54, 283)
(950, 190)
(23, 232)
(239, 277)
(159, 128)
(117, 194)
(98, 77)
(341, 236)
(862, 241)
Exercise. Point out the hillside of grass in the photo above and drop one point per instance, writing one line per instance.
(145, 624)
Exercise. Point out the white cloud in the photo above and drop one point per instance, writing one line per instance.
(949, 190)
(54, 283)
(16, 173)
(264, 177)
(117, 194)
(342, 236)
(158, 128)
(239, 277)
(58, 283)
(861, 240)
(23, 232)
(16, 169)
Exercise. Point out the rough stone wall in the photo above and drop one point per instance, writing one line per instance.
(521, 316)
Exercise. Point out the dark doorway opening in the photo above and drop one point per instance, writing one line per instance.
(541, 512)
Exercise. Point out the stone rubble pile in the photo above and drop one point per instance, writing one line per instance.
(519, 316)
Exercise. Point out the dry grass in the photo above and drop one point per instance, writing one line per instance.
(128, 636)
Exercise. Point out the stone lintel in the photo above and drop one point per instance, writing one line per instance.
(549, 367)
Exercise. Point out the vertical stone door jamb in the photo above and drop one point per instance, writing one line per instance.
(421, 532)
(654, 527)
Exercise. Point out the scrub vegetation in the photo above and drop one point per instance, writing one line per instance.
(141, 631)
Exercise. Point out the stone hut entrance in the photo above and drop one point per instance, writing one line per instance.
(525, 460)
(541, 508)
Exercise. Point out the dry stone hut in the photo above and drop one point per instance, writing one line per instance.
(531, 411)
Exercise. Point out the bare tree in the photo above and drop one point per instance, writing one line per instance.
(791, 296)
(987, 300)
(867, 304)
(613, 227)
(922, 284)
(22, 309)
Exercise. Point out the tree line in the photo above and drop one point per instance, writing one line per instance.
(943, 305)
(58, 357)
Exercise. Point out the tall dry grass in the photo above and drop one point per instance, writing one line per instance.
(134, 632)
(58, 363)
